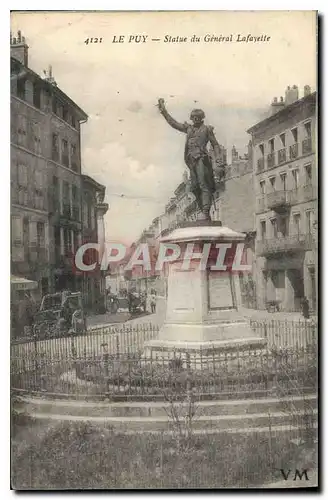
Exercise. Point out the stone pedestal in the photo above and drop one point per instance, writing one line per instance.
(203, 304)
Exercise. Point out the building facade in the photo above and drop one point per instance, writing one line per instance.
(93, 211)
(285, 168)
(47, 195)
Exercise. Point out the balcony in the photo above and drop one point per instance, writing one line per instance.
(271, 160)
(260, 164)
(293, 151)
(282, 156)
(307, 146)
(278, 200)
(285, 244)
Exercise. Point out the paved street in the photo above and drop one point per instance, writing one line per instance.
(159, 316)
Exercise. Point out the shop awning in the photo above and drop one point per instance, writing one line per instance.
(19, 283)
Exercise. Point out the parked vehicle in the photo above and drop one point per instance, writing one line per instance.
(60, 314)
(137, 302)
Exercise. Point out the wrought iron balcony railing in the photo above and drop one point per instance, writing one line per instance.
(293, 151)
(285, 244)
(278, 199)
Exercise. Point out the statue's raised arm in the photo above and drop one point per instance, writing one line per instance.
(182, 127)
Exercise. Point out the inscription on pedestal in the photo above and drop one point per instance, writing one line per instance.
(182, 291)
(220, 291)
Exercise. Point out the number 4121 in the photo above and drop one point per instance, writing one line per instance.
(92, 40)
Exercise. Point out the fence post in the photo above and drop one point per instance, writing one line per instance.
(117, 346)
(36, 366)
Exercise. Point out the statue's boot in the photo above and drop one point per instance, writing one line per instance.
(206, 205)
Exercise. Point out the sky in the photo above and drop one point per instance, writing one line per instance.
(126, 144)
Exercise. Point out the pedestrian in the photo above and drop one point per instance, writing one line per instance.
(305, 308)
(153, 302)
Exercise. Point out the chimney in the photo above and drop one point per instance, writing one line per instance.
(49, 78)
(277, 106)
(291, 95)
(307, 90)
(19, 48)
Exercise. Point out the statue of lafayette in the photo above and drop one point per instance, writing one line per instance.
(196, 156)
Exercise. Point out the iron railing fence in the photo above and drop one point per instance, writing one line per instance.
(127, 338)
(207, 373)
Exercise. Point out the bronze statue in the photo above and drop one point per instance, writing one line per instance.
(196, 156)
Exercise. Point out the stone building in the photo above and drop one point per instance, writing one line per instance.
(93, 211)
(285, 168)
(46, 181)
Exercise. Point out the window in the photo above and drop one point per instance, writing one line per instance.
(283, 179)
(64, 158)
(21, 88)
(308, 174)
(16, 230)
(36, 137)
(308, 131)
(309, 221)
(76, 240)
(36, 95)
(76, 202)
(54, 105)
(272, 183)
(261, 147)
(55, 194)
(262, 187)
(59, 110)
(65, 113)
(38, 179)
(22, 130)
(284, 226)
(67, 242)
(38, 199)
(263, 229)
(85, 210)
(57, 242)
(271, 145)
(40, 234)
(295, 134)
(297, 223)
(295, 174)
(74, 160)
(22, 175)
(55, 147)
(283, 140)
(274, 228)
(66, 200)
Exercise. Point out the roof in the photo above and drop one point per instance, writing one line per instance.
(93, 182)
(53, 88)
(285, 111)
(20, 283)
